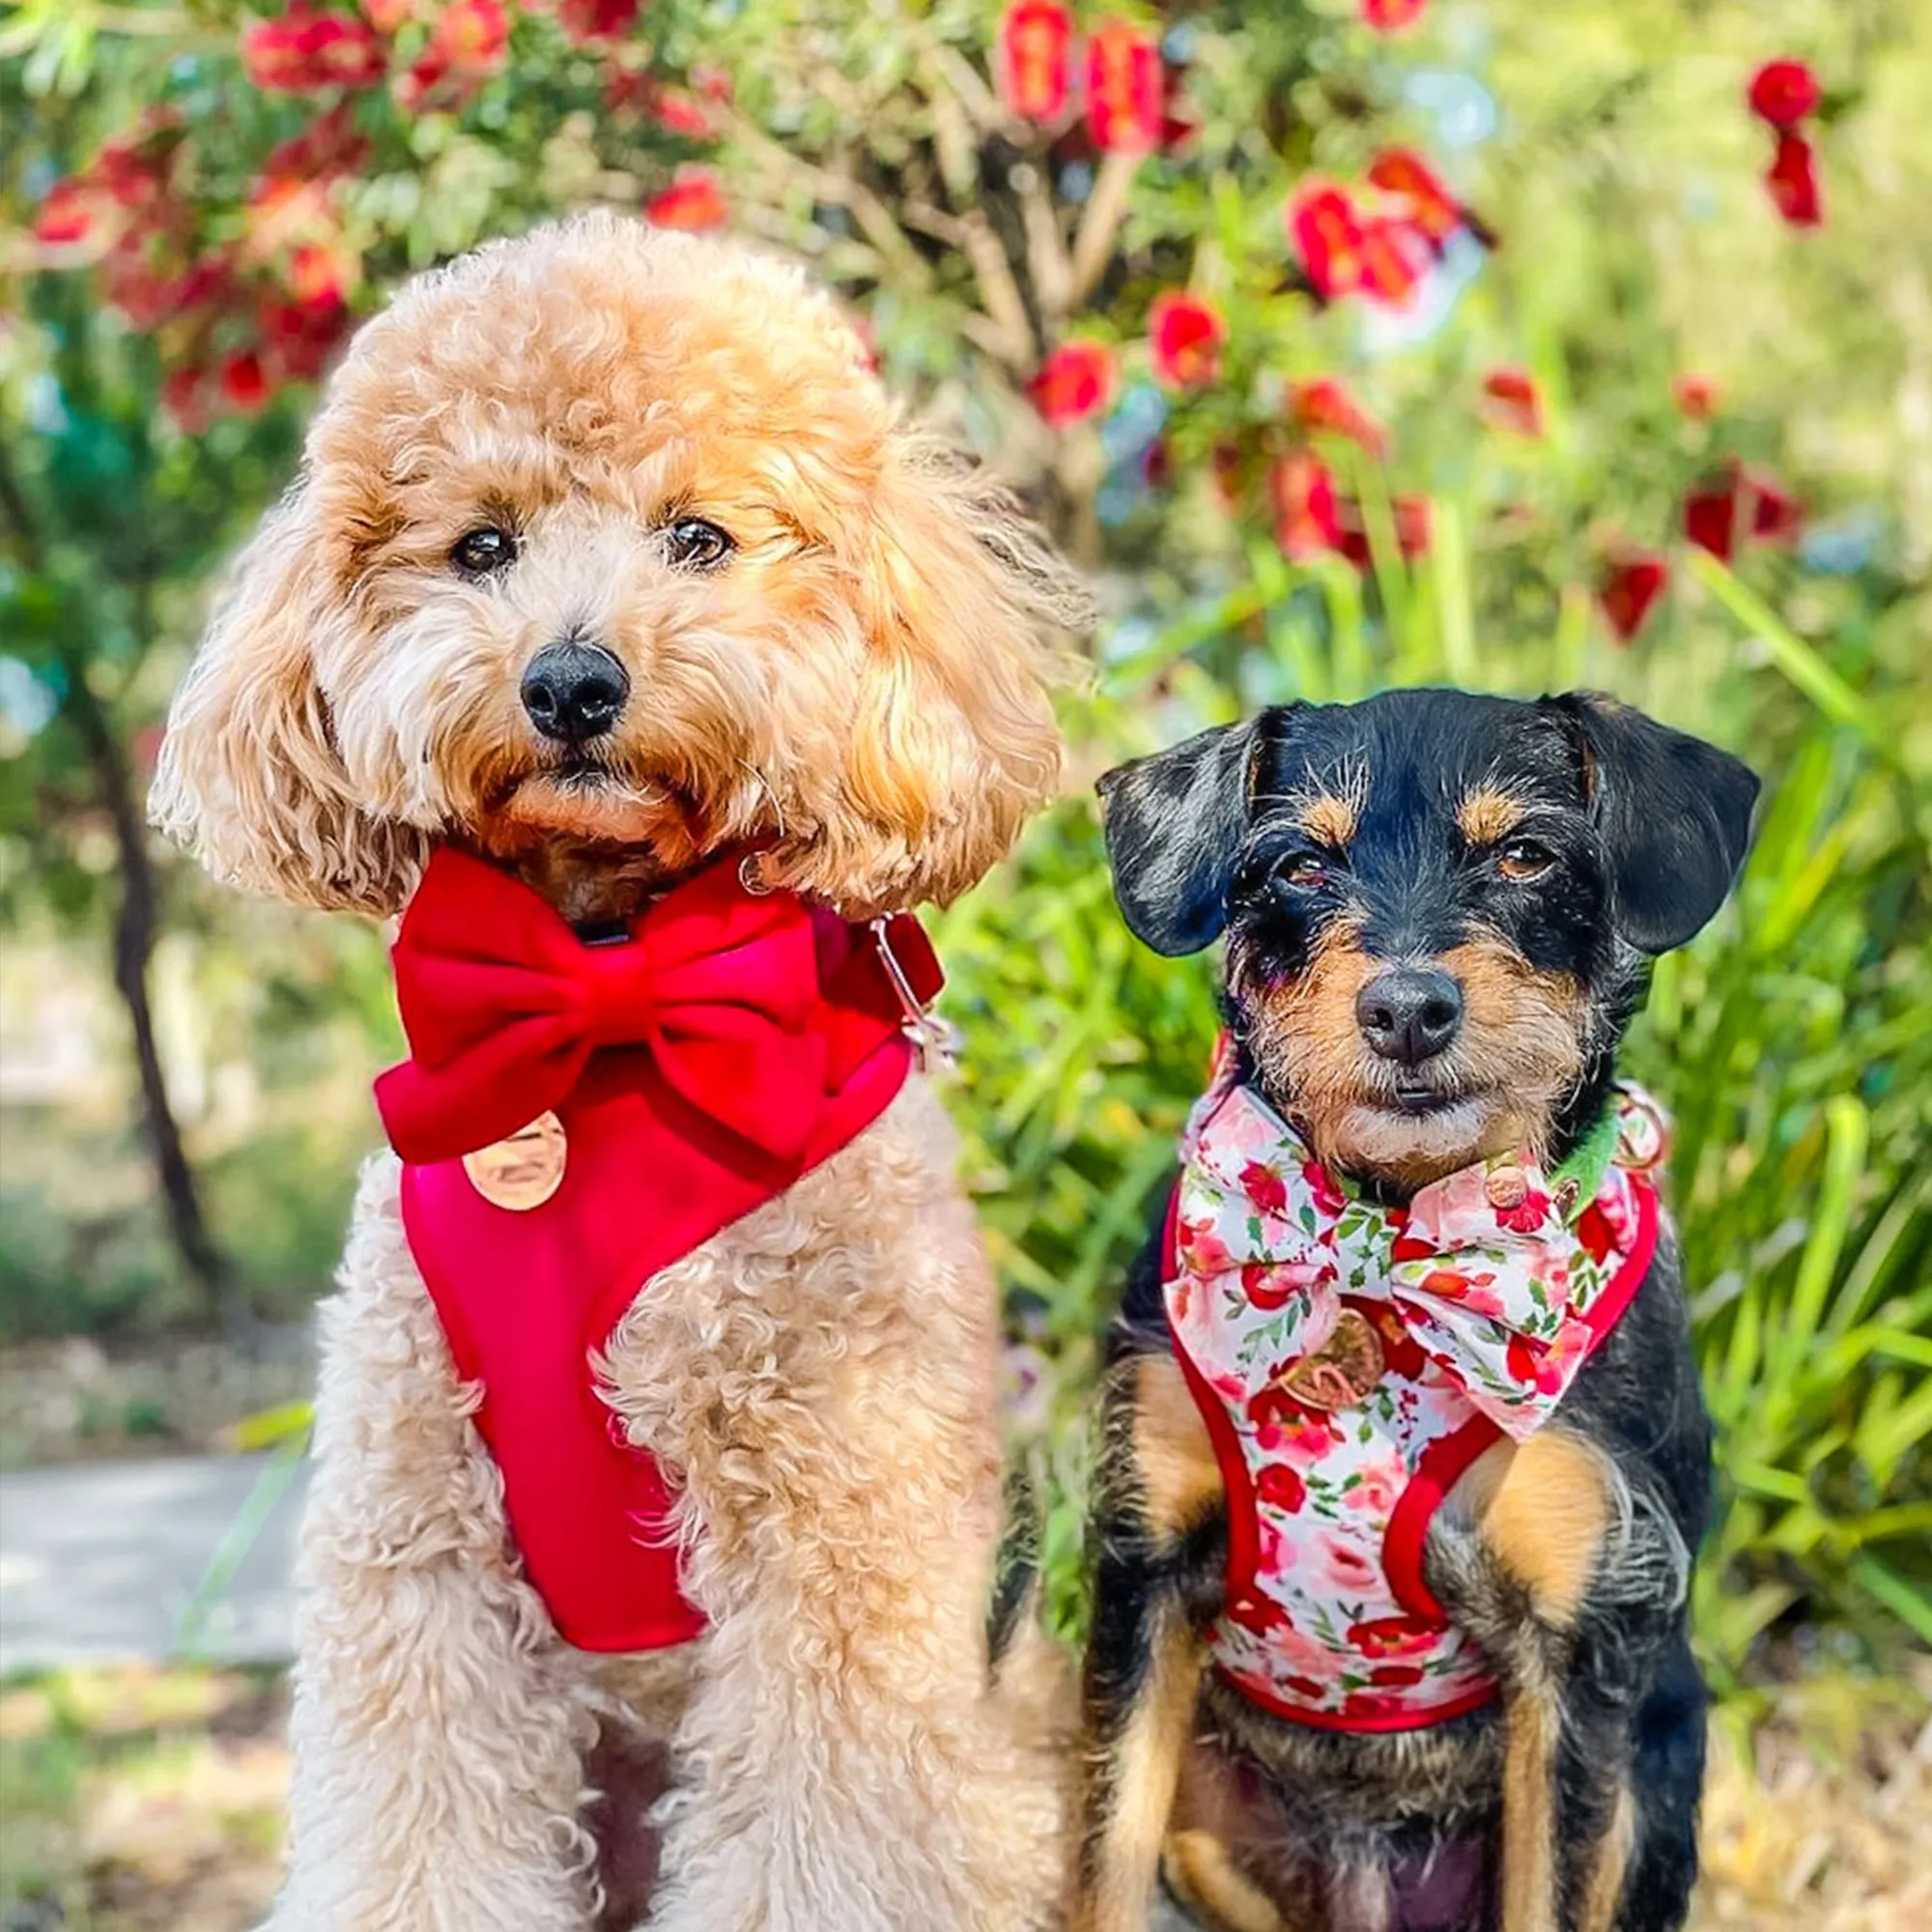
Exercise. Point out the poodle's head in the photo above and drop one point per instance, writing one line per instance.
(607, 551)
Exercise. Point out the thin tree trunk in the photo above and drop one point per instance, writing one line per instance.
(134, 928)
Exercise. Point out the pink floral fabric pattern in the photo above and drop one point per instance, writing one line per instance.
(1338, 1341)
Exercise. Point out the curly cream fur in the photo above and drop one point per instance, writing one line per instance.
(862, 690)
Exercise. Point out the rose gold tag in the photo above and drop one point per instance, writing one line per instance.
(1344, 1370)
(522, 1170)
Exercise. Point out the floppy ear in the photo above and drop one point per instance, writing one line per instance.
(248, 776)
(1174, 824)
(1675, 814)
(951, 741)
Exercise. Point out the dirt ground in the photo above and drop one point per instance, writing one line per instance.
(150, 1801)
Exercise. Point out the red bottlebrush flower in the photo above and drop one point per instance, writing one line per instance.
(585, 21)
(320, 277)
(471, 35)
(1629, 590)
(1783, 92)
(1327, 235)
(1391, 16)
(1395, 258)
(1432, 208)
(694, 201)
(1187, 334)
(1712, 516)
(1324, 405)
(245, 383)
(1074, 381)
(679, 113)
(1034, 66)
(1281, 1487)
(305, 51)
(1793, 180)
(185, 398)
(1776, 517)
(1125, 88)
(65, 214)
(1511, 401)
(1306, 521)
(1695, 395)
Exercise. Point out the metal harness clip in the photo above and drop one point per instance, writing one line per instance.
(935, 1041)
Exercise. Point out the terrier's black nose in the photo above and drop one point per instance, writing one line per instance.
(1409, 1013)
(574, 691)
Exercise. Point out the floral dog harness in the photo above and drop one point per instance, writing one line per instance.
(1352, 1361)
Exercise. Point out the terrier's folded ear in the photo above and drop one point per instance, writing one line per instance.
(1174, 824)
(1675, 814)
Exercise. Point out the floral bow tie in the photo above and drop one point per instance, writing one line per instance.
(1495, 1275)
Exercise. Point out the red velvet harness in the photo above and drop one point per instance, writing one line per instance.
(722, 1047)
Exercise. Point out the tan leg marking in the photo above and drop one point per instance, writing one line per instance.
(1174, 1456)
(1530, 1726)
(1202, 1876)
(1542, 1507)
(1605, 1890)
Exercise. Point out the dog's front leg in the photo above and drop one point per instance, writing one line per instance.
(437, 1772)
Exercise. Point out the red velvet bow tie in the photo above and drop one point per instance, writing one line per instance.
(503, 1004)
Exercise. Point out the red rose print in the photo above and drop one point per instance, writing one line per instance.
(1329, 1200)
(1392, 1636)
(1783, 92)
(1527, 1215)
(1396, 1676)
(1281, 1487)
(1256, 1612)
(1525, 1361)
(1593, 1230)
(1267, 1286)
(1265, 1188)
(1305, 1688)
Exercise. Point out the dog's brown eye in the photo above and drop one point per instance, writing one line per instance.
(480, 551)
(1524, 859)
(693, 544)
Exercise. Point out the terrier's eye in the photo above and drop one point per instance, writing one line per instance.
(1305, 872)
(480, 552)
(1523, 858)
(693, 544)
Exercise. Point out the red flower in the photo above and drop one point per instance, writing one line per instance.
(1793, 180)
(1125, 88)
(1524, 1360)
(1391, 16)
(585, 20)
(1783, 92)
(714, 83)
(1187, 334)
(324, 151)
(1254, 1611)
(1265, 1188)
(1157, 463)
(1034, 63)
(1304, 1687)
(1395, 257)
(1396, 1676)
(1402, 1352)
(245, 383)
(184, 397)
(1267, 1286)
(469, 35)
(65, 216)
(1776, 517)
(1281, 1487)
(1329, 1199)
(305, 51)
(679, 113)
(388, 17)
(320, 277)
(1326, 404)
(1306, 522)
(1327, 232)
(1710, 516)
(1392, 1636)
(1412, 531)
(1593, 1230)
(1631, 587)
(693, 200)
(1074, 381)
(1511, 401)
(1695, 395)
(1432, 208)
(300, 340)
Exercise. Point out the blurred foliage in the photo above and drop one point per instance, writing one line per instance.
(1610, 237)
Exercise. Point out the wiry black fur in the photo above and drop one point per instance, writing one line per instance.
(1647, 828)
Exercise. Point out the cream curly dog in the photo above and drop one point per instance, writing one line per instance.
(831, 645)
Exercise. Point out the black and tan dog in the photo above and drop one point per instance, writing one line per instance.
(1439, 911)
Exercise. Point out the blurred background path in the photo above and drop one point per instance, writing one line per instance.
(102, 1562)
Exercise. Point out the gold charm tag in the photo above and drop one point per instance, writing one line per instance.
(522, 1170)
(1344, 1370)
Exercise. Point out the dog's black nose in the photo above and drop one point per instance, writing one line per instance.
(1409, 1013)
(573, 691)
